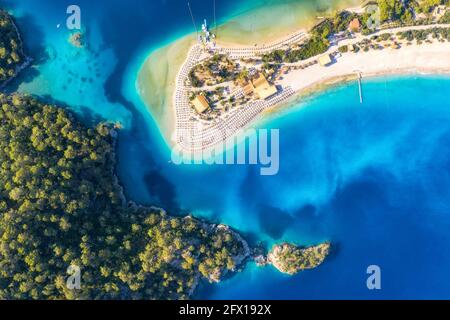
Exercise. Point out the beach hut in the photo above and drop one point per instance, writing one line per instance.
(200, 104)
(325, 60)
(263, 88)
(260, 86)
(248, 88)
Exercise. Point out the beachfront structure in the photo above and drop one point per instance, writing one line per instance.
(248, 88)
(261, 87)
(207, 35)
(200, 104)
(325, 60)
(205, 30)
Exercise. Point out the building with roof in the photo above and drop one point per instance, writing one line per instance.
(248, 88)
(325, 60)
(261, 87)
(200, 103)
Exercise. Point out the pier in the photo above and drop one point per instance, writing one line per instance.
(360, 88)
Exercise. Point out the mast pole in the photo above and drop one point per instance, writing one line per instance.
(192, 17)
(215, 21)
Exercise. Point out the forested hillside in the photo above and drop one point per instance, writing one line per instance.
(60, 205)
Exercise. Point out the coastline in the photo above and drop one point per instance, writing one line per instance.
(156, 76)
(194, 137)
(169, 104)
(255, 26)
(320, 87)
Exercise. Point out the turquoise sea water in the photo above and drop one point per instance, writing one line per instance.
(373, 178)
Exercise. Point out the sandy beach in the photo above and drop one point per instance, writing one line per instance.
(430, 59)
(260, 26)
(156, 82)
(425, 58)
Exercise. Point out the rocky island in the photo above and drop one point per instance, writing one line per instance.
(290, 259)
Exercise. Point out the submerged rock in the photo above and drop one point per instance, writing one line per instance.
(77, 39)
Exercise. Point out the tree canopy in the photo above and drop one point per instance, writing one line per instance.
(11, 54)
(61, 206)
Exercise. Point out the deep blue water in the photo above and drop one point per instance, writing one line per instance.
(372, 178)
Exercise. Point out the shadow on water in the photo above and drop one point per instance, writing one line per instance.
(136, 140)
(134, 34)
(274, 221)
(33, 37)
(306, 212)
(336, 248)
(26, 76)
(161, 189)
(360, 196)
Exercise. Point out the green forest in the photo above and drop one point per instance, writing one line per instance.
(11, 54)
(60, 205)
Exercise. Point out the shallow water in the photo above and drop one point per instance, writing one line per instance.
(372, 178)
